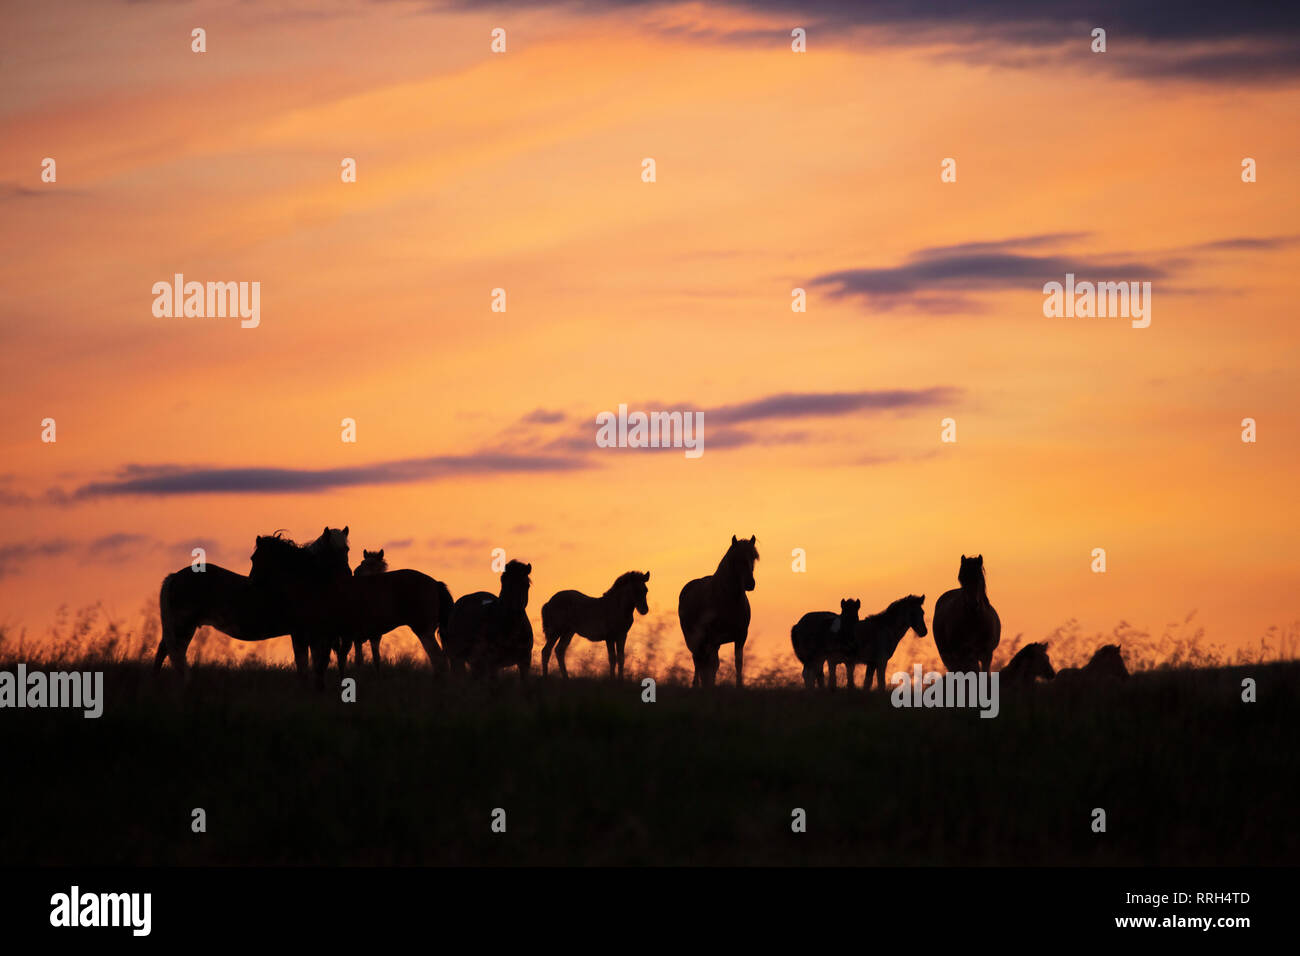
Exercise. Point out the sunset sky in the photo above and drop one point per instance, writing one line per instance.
(775, 170)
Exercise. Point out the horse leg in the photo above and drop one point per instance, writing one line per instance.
(178, 642)
(551, 637)
(808, 678)
(621, 645)
(609, 648)
(561, 649)
(300, 655)
(430, 643)
(740, 663)
(832, 663)
(320, 658)
(374, 651)
(849, 666)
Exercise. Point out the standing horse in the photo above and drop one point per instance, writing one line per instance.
(491, 631)
(1030, 663)
(326, 607)
(372, 562)
(966, 628)
(607, 618)
(813, 635)
(233, 604)
(876, 638)
(713, 610)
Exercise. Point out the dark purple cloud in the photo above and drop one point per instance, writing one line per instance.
(1200, 40)
(173, 479)
(943, 279)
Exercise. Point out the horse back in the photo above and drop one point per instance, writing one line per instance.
(811, 636)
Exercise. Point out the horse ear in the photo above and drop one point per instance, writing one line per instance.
(733, 539)
(381, 552)
(646, 576)
(345, 531)
(753, 539)
(528, 568)
(326, 531)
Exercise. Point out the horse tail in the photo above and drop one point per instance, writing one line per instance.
(445, 604)
(167, 620)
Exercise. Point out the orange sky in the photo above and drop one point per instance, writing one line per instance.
(522, 171)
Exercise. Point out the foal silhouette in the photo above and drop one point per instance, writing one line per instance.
(607, 618)
(713, 610)
(372, 562)
(813, 634)
(875, 638)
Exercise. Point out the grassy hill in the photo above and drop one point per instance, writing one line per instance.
(587, 773)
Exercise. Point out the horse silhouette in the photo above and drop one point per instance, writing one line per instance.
(966, 628)
(875, 638)
(713, 610)
(607, 618)
(326, 607)
(233, 604)
(1106, 663)
(490, 631)
(1029, 663)
(372, 562)
(812, 635)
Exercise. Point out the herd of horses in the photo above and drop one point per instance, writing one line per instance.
(309, 593)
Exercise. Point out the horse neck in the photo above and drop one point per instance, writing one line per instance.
(977, 591)
(728, 574)
(514, 595)
(619, 602)
(891, 627)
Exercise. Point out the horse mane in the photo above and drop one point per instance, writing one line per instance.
(622, 581)
(972, 576)
(734, 553)
(896, 606)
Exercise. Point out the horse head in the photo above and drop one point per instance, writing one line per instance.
(1108, 661)
(372, 562)
(971, 573)
(915, 610)
(515, 582)
(849, 608)
(275, 557)
(741, 555)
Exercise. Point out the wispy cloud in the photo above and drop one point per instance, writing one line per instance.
(173, 479)
(1201, 40)
(945, 279)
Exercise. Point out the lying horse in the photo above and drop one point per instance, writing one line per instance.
(490, 631)
(1107, 663)
(875, 638)
(607, 618)
(326, 608)
(713, 610)
(813, 635)
(1029, 663)
(233, 604)
(966, 628)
